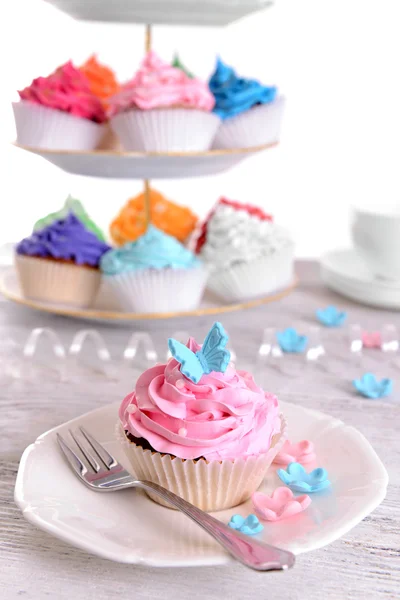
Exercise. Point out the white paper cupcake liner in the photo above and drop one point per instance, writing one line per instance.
(258, 126)
(164, 290)
(57, 282)
(42, 127)
(166, 130)
(214, 485)
(259, 277)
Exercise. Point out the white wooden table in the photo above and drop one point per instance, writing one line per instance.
(365, 563)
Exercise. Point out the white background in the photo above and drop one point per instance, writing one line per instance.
(336, 61)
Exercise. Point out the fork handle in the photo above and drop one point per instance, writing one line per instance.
(252, 553)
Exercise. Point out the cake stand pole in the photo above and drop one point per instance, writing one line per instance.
(147, 205)
(148, 38)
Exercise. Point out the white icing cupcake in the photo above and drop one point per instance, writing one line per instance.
(249, 256)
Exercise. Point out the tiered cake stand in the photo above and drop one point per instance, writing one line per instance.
(110, 163)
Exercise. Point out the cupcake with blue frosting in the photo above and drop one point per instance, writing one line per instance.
(59, 263)
(154, 274)
(251, 113)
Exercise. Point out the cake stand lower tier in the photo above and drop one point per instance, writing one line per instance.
(105, 311)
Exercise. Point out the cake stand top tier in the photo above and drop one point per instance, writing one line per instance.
(161, 12)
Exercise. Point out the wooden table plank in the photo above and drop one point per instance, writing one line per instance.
(365, 563)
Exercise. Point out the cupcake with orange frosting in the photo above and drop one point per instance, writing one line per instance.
(162, 109)
(59, 112)
(102, 80)
(173, 219)
(199, 427)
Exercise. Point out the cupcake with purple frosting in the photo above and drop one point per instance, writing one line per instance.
(60, 263)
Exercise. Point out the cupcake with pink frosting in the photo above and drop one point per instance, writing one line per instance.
(199, 427)
(164, 109)
(59, 112)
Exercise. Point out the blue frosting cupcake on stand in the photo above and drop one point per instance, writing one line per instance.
(60, 263)
(251, 113)
(154, 274)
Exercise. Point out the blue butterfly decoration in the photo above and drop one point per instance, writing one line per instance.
(211, 357)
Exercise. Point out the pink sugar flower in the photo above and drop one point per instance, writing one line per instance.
(280, 505)
(302, 452)
(372, 339)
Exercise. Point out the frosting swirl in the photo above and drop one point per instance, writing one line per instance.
(75, 206)
(154, 249)
(234, 95)
(67, 239)
(224, 416)
(233, 234)
(158, 84)
(173, 219)
(102, 80)
(66, 89)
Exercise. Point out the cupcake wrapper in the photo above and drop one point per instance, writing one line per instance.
(258, 126)
(259, 277)
(166, 130)
(42, 127)
(55, 282)
(153, 291)
(214, 485)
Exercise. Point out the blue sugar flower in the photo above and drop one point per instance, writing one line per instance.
(370, 387)
(331, 316)
(249, 525)
(298, 480)
(290, 341)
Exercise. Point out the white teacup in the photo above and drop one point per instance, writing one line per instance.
(376, 236)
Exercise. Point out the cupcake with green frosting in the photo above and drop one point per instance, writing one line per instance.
(154, 274)
(71, 205)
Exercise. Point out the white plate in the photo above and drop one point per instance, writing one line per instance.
(151, 165)
(346, 273)
(128, 527)
(106, 311)
(178, 12)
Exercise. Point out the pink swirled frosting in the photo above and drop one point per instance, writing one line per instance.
(224, 416)
(158, 84)
(67, 89)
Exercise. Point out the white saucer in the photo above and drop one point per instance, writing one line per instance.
(346, 273)
(129, 527)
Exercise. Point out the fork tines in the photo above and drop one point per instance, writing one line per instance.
(97, 457)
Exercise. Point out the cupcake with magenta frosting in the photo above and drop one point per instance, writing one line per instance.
(59, 112)
(164, 109)
(199, 427)
(60, 263)
(251, 113)
(154, 274)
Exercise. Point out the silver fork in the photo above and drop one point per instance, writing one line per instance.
(101, 472)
